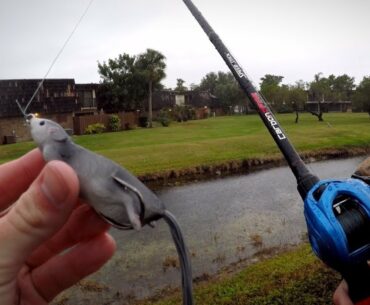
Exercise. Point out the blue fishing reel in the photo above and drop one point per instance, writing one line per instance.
(338, 220)
(337, 213)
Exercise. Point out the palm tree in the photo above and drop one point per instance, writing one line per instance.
(152, 66)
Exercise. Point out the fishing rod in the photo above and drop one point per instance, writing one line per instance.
(337, 211)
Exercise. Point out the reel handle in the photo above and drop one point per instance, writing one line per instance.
(358, 280)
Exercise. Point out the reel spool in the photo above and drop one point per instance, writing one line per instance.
(338, 221)
(354, 221)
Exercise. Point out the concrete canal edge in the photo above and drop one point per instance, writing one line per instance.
(245, 166)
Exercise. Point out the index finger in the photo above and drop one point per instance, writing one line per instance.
(341, 296)
(16, 176)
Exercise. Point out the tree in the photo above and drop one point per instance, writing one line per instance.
(272, 90)
(271, 80)
(297, 97)
(361, 99)
(319, 89)
(122, 88)
(224, 87)
(228, 91)
(332, 88)
(194, 87)
(151, 65)
(343, 86)
(180, 85)
(209, 82)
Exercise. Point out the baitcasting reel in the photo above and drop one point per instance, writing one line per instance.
(338, 220)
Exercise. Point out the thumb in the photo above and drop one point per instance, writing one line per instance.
(39, 213)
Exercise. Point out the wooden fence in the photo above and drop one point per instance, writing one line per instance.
(80, 123)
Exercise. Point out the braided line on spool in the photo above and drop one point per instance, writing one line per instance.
(354, 221)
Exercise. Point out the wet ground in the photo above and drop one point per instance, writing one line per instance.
(223, 220)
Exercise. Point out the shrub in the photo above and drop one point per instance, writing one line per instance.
(143, 121)
(184, 113)
(95, 128)
(114, 123)
(164, 118)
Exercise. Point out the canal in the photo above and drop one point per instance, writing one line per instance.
(224, 221)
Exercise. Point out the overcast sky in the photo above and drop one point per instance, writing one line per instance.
(292, 38)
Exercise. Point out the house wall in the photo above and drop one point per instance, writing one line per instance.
(18, 127)
(180, 100)
(86, 94)
(54, 96)
(14, 126)
(345, 106)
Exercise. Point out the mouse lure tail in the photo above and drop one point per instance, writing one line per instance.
(185, 265)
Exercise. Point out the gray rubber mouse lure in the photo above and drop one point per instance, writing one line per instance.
(118, 196)
(115, 194)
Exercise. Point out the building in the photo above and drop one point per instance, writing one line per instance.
(196, 99)
(86, 96)
(329, 106)
(54, 96)
(73, 106)
(56, 99)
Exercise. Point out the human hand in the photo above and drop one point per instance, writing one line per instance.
(48, 239)
(363, 168)
(341, 296)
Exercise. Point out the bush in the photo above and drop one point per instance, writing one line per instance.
(184, 113)
(114, 123)
(164, 118)
(143, 121)
(95, 128)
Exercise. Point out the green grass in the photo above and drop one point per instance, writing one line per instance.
(295, 277)
(215, 140)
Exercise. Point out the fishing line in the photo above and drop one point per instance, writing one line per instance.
(20, 108)
(58, 54)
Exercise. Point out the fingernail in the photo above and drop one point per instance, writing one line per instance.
(53, 187)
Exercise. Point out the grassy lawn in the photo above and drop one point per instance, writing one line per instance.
(295, 277)
(215, 140)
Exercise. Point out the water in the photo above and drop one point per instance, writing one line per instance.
(223, 221)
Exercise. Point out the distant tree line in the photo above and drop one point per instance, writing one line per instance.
(128, 80)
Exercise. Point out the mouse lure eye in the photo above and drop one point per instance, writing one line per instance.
(42, 123)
